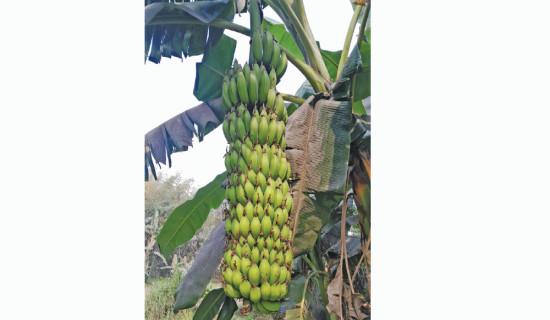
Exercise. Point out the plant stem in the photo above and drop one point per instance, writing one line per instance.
(292, 98)
(347, 41)
(309, 44)
(310, 264)
(363, 25)
(311, 75)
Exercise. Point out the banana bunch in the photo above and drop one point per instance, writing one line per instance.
(266, 51)
(258, 260)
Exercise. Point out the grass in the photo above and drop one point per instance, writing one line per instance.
(159, 299)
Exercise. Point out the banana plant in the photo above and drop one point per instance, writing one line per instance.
(327, 143)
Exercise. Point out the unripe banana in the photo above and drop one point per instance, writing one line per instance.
(283, 143)
(254, 127)
(239, 211)
(228, 274)
(232, 130)
(279, 106)
(255, 227)
(281, 67)
(241, 129)
(276, 55)
(231, 291)
(267, 42)
(231, 195)
(266, 290)
(280, 131)
(245, 262)
(246, 153)
(264, 164)
(266, 226)
(225, 127)
(256, 46)
(264, 86)
(272, 132)
(274, 167)
(242, 87)
(246, 119)
(254, 274)
(254, 162)
(246, 71)
(264, 269)
(274, 274)
(260, 243)
(255, 295)
(233, 91)
(249, 211)
(245, 288)
(270, 100)
(226, 101)
(255, 256)
(275, 292)
(273, 78)
(263, 128)
(242, 165)
(252, 177)
(258, 196)
(272, 257)
(257, 71)
(237, 277)
(235, 229)
(262, 182)
(259, 210)
(239, 191)
(253, 89)
(249, 189)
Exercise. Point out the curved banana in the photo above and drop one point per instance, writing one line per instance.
(268, 47)
(242, 87)
(256, 46)
(253, 89)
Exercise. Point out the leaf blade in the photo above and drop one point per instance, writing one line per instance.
(193, 284)
(186, 219)
(210, 305)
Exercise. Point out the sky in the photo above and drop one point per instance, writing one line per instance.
(174, 94)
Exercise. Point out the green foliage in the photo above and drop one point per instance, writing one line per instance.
(186, 219)
(284, 38)
(166, 193)
(210, 72)
(210, 305)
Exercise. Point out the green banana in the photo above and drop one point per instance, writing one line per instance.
(263, 127)
(264, 86)
(256, 46)
(246, 72)
(257, 71)
(279, 106)
(272, 131)
(242, 87)
(272, 78)
(268, 47)
(226, 101)
(241, 129)
(233, 91)
(276, 55)
(246, 119)
(281, 67)
(254, 129)
(253, 89)
(280, 131)
(270, 101)
(225, 127)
